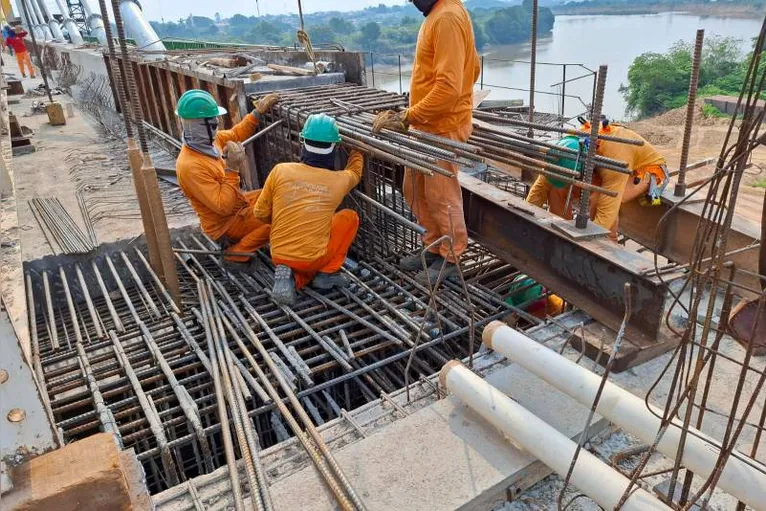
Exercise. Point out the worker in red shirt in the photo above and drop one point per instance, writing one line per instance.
(16, 41)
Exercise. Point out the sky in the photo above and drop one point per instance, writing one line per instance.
(172, 10)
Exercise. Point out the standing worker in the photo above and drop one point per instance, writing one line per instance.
(646, 182)
(16, 41)
(208, 169)
(7, 32)
(441, 100)
(309, 239)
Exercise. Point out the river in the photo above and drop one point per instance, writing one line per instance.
(591, 41)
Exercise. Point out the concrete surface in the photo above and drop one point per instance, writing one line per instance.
(442, 457)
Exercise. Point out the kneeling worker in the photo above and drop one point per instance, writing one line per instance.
(208, 172)
(309, 239)
(647, 179)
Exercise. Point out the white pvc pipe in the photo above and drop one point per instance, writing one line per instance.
(95, 23)
(138, 29)
(71, 27)
(591, 476)
(41, 20)
(54, 26)
(741, 477)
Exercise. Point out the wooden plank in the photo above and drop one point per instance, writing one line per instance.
(169, 85)
(290, 70)
(159, 99)
(151, 98)
(224, 95)
(142, 92)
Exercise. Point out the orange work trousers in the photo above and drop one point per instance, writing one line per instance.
(345, 223)
(437, 202)
(23, 59)
(248, 232)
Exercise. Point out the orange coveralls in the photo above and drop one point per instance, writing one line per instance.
(215, 194)
(441, 99)
(307, 234)
(604, 210)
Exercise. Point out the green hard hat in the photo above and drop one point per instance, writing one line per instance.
(198, 104)
(518, 297)
(321, 128)
(571, 162)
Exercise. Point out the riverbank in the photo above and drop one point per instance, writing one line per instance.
(623, 9)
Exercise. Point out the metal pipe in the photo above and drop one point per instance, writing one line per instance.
(742, 477)
(95, 23)
(71, 27)
(532, 65)
(581, 222)
(37, 14)
(262, 132)
(680, 189)
(592, 476)
(53, 24)
(138, 28)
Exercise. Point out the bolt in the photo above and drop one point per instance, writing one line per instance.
(17, 415)
(3, 376)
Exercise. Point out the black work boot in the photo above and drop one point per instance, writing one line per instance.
(283, 291)
(450, 270)
(327, 281)
(414, 262)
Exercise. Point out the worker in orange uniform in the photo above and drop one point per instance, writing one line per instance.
(647, 180)
(309, 239)
(16, 41)
(441, 100)
(209, 168)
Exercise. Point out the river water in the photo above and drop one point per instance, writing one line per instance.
(591, 41)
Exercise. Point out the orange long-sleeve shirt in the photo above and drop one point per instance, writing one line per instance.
(446, 68)
(214, 193)
(635, 156)
(300, 201)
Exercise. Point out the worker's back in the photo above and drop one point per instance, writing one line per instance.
(449, 24)
(302, 200)
(635, 156)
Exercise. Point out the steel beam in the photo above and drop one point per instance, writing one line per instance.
(590, 274)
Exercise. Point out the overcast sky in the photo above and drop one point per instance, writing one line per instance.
(171, 10)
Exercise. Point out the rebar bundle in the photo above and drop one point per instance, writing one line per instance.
(60, 228)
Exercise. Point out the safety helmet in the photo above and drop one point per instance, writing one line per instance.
(574, 162)
(524, 290)
(321, 128)
(198, 104)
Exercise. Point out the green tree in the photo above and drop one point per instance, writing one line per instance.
(340, 26)
(370, 33)
(480, 37)
(265, 33)
(322, 34)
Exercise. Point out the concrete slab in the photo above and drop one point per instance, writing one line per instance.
(451, 458)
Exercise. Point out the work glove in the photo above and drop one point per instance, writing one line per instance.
(264, 104)
(234, 154)
(396, 121)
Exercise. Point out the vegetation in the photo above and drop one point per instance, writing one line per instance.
(658, 82)
(382, 29)
(622, 7)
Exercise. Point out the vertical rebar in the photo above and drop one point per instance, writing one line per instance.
(120, 83)
(372, 69)
(532, 64)
(680, 189)
(130, 79)
(399, 58)
(481, 75)
(595, 123)
(563, 92)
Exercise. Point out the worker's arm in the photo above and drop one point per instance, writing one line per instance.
(239, 133)
(219, 193)
(608, 208)
(353, 169)
(449, 62)
(264, 205)
(538, 194)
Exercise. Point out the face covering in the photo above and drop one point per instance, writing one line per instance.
(322, 161)
(424, 6)
(199, 135)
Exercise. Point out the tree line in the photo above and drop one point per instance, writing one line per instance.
(382, 29)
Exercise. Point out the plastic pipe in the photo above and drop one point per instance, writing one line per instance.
(138, 29)
(41, 20)
(745, 480)
(71, 27)
(53, 25)
(591, 476)
(32, 22)
(95, 23)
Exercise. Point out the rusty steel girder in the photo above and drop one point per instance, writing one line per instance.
(590, 274)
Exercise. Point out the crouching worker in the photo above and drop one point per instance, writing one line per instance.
(209, 168)
(309, 239)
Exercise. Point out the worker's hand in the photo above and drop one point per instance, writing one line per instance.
(234, 154)
(264, 104)
(397, 121)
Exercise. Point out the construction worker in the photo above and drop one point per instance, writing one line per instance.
(16, 41)
(309, 239)
(7, 32)
(647, 180)
(441, 100)
(208, 169)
